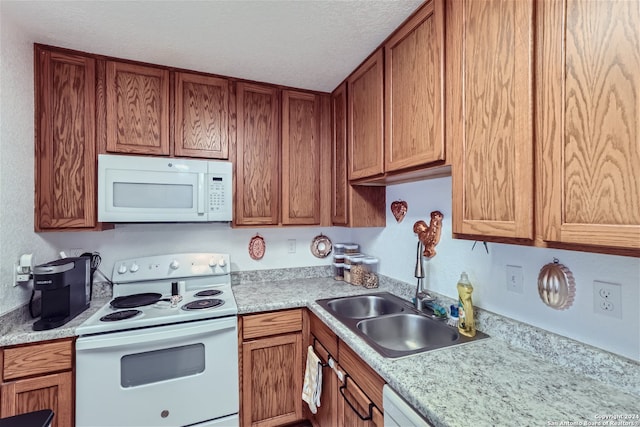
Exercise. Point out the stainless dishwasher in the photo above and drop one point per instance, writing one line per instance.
(398, 413)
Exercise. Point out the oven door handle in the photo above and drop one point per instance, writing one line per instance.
(163, 335)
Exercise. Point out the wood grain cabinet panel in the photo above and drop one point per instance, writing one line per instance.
(271, 370)
(37, 359)
(201, 116)
(301, 151)
(353, 206)
(257, 197)
(492, 120)
(53, 392)
(137, 100)
(339, 171)
(325, 345)
(589, 122)
(65, 170)
(414, 86)
(36, 377)
(355, 409)
(365, 118)
(272, 323)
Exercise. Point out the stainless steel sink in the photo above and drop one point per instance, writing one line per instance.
(364, 306)
(392, 326)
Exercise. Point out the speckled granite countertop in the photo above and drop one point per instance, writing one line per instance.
(485, 383)
(493, 382)
(17, 327)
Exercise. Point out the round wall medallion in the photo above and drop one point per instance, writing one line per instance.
(321, 246)
(257, 247)
(556, 285)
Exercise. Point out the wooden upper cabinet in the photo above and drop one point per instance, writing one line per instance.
(65, 141)
(257, 164)
(201, 116)
(339, 178)
(589, 122)
(490, 44)
(365, 118)
(352, 205)
(137, 100)
(414, 98)
(301, 151)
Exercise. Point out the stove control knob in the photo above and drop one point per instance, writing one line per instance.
(134, 267)
(222, 262)
(122, 269)
(174, 265)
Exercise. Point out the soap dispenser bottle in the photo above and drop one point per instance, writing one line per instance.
(466, 321)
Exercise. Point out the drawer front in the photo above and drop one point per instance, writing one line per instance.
(37, 359)
(275, 323)
(325, 336)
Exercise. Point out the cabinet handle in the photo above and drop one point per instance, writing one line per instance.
(344, 396)
(322, 364)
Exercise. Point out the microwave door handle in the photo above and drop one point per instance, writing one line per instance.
(201, 193)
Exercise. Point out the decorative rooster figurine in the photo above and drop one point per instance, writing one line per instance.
(429, 235)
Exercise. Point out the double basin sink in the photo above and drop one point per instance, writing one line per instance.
(392, 326)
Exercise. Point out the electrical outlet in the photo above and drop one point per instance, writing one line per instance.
(607, 299)
(514, 279)
(291, 245)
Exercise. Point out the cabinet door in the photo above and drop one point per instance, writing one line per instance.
(353, 206)
(258, 153)
(589, 122)
(492, 169)
(355, 409)
(339, 178)
(137, 109)
(365, 102)
(47, 392)
(301, 150)
(325, 345)
(272, 380)
(65, 141)
(414, 99)
(201, 116)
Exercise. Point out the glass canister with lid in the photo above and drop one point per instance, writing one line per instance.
(357, 269)
(370, 267)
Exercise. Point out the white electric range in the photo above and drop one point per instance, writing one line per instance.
(164, 350)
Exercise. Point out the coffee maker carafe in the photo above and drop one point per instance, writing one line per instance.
(65, 288)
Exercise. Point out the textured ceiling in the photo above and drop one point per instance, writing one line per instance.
(307, 44)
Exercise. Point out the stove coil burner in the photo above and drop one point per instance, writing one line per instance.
(120, 315)
(136, 300)
(208, 293)
(203, 304)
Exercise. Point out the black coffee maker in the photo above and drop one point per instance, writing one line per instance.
(65, 290)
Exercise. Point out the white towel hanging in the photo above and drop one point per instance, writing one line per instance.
(312, 387)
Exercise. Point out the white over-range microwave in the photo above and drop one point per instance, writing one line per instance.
(155, 189)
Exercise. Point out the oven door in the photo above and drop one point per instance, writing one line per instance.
(172, 375)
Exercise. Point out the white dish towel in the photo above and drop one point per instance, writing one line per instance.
(312, 386)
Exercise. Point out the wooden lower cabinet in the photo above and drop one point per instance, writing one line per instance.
(360, 399)
(271, 368)
(354, 401)
(325, 345)
(36, 377)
